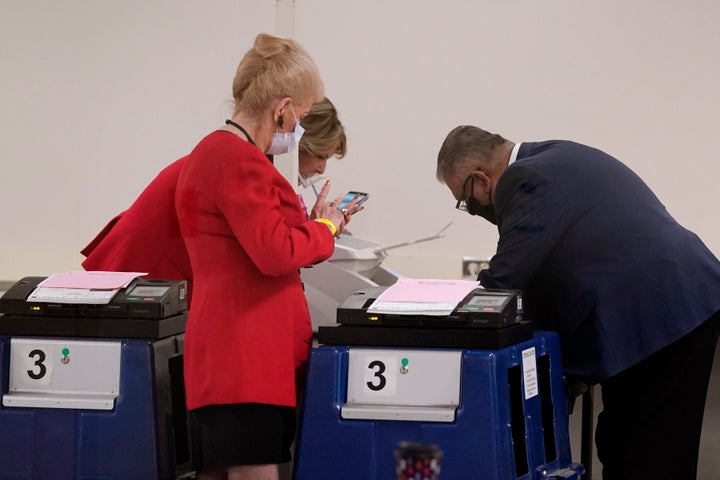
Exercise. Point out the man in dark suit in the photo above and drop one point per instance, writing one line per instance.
(634, 296)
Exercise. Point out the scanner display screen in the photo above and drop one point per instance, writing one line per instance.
(487, 300)
(149, 291)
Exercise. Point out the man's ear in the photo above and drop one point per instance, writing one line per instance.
(482, 178)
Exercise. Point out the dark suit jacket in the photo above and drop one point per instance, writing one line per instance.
(599, 258)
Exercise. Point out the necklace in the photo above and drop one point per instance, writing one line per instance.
(236, 125)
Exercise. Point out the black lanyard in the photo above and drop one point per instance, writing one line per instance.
(236, 125)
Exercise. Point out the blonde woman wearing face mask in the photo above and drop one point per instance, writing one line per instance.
(248, 334)
(324, 138)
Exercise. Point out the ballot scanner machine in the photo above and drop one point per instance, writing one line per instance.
(356, 263)
(478, 384)
(93, 390)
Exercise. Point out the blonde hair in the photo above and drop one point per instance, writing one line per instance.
(275, 68)
(324, 133)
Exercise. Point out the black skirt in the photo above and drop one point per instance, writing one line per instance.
(223, 436)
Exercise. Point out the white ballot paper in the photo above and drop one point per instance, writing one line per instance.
(72, 295)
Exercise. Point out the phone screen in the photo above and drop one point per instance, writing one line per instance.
(349, 197)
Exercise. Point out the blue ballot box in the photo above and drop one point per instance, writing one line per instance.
(93, 390)
(92, 408)
(496, 414)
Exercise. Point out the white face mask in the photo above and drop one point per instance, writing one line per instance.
(308, 181)
(288, 141)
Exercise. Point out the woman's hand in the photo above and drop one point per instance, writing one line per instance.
(329, 210)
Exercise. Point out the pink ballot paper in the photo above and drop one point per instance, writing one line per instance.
(93, 280)
(423, 296)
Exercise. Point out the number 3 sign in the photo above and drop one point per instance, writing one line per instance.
(38, 365)
(381, 375)
(63, 373)
(403, 377)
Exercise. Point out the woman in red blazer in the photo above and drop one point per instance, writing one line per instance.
(146, 237)
(248, 334)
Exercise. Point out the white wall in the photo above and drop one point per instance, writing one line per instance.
(95, 98)
(638, 79)
(98, 96)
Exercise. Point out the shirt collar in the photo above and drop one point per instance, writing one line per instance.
(514, 153)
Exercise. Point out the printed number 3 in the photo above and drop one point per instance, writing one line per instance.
(382, 381)
(40, 358)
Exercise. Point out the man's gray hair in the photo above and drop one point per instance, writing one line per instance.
(466, 146)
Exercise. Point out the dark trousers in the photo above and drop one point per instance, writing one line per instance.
(653, 412)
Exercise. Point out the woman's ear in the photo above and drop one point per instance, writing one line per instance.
(279, 110)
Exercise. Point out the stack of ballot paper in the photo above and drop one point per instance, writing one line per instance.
(413, 296)
(91, 287)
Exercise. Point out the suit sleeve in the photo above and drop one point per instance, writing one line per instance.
(533, 214)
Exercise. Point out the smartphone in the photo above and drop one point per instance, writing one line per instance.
(362, 196)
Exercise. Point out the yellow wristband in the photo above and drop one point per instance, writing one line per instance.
(329, 223)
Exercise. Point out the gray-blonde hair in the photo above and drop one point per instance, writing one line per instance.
(466, 147)
(276, 67)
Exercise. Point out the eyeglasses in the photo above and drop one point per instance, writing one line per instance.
(462, 203)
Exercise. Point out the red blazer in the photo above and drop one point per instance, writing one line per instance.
(145, 237)
(247, 236)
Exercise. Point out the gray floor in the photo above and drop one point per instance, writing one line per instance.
(709, 462)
